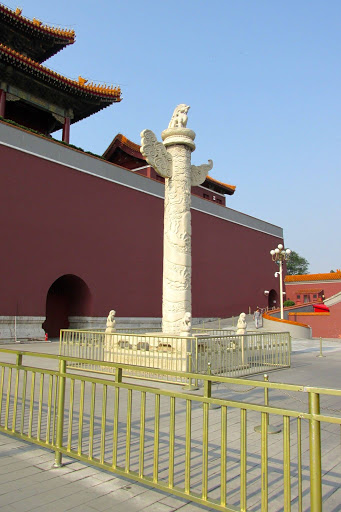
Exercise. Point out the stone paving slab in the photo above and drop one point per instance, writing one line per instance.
(75, 486)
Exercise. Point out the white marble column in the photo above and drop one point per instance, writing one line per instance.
(177, 258)
(172, 160)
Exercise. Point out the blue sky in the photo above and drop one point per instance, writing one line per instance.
(263, 79)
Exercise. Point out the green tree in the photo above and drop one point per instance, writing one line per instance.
(288, 303)
(297, 264)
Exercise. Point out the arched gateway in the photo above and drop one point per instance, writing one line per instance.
(272, 299)
(68, 296)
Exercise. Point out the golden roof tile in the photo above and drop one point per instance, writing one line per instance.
(232, 187)
(101, 90)
(129, 143)
(36, 24)
(309, 290)
(329, 276)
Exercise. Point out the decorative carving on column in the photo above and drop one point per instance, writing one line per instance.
(172, 160)
(199, 173)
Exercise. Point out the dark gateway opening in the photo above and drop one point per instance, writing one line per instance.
(68, 296)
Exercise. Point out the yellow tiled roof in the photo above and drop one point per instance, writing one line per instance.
(129, 143)
(26, 62)
(36, 24)
(330, 276)
(209, 178)
(309, 290)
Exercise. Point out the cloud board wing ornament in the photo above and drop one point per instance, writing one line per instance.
(199, 173)
(156, 154)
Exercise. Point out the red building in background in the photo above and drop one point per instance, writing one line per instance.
(83, 234)
(312, 287)
(320, 293)
(126, 153)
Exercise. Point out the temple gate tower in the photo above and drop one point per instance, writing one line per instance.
(33, 95)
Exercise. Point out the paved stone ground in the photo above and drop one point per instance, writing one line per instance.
(28, 482)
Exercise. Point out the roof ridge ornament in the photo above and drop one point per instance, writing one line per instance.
(98, 89)
(69, 33)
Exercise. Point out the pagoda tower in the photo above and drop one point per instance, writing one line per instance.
(31, 94)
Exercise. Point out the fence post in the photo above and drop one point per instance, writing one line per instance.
(320, 355)
(60, 414)
(208, 385)
(208, 389)
(118, 375)
(270, 429)
(190, 386)
(315, 454)
(196, 360)
(19, 359)
(266, 392)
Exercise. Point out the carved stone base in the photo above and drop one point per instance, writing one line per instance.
(153, 350)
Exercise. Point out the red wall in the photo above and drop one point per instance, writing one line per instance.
(330, 288)
(225, 277)
(324, 325)
(57, 221)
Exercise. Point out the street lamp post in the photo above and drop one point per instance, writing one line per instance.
(279, 255)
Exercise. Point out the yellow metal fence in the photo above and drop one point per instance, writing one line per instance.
(216, 352)
(202, 447)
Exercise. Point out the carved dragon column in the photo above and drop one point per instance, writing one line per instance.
(172, 160)
(177, 258)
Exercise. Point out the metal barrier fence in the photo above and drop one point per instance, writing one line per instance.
(143, 330)
(220, 332)
(213, 332)
(222, 354)
(200, 447)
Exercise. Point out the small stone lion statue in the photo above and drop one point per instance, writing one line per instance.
(241, 325)
(179, 117)
(241, 330)
(111, 322)
(186, 325)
